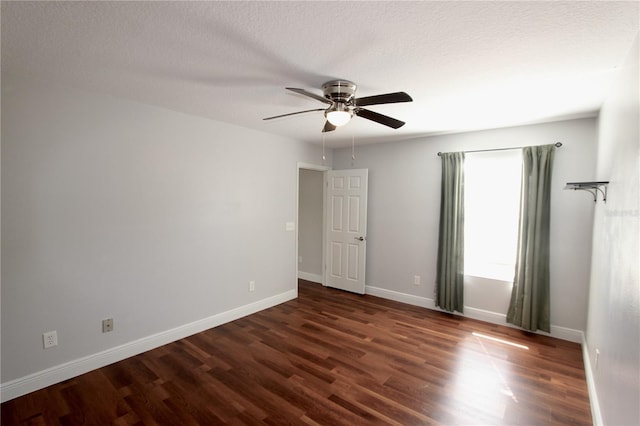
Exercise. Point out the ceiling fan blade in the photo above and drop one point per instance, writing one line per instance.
(387, 98)
(293, 113)
(379, 118)
(309, 94)
(328, 127)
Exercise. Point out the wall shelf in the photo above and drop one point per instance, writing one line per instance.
(591, 187)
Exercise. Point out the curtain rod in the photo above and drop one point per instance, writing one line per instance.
(557, 144)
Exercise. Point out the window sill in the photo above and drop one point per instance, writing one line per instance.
(490, 277)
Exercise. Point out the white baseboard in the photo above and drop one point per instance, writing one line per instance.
(59, 373)
(596, 414)
(309, 276)
(409, 299)
(473, 313)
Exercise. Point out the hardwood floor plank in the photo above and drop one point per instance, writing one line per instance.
(329, 358)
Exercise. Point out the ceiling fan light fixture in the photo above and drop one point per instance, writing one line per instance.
(338, 115)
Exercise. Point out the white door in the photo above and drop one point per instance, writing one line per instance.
(346, 232)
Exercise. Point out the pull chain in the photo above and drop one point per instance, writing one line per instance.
(323, 156)
(353, 147)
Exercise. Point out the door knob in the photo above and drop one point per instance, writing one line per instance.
(359, 238)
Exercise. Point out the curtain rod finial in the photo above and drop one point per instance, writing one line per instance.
(439, 154)
(558, 144)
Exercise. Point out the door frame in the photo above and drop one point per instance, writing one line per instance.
(323, 169)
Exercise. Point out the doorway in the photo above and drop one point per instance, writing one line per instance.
(310, 246)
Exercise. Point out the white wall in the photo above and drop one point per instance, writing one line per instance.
(404, 199)
(112, 208)
(614, 298)
(310, 224)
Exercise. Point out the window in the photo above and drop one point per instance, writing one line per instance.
(492, 205)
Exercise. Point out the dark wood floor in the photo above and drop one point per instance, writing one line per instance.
(329, 358)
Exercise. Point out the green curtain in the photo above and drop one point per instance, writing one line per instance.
(450, 267)
(529, 307)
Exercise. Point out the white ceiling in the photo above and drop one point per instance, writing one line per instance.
(467, 65)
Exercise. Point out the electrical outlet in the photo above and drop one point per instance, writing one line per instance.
(252, 285)
(597, 359)
(50, 339)
(416, 280)
(107, 325)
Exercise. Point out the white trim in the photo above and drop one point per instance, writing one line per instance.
(484, 315)
(596, 414)
(309, 276)
(470, 312)
(564, 333)
(59, 373)
(311, 166)
(409, 299)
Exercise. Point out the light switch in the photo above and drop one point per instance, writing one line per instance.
(290, 226)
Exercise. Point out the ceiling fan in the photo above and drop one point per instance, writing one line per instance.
(343, 105)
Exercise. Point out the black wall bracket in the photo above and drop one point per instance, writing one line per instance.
(591, 187)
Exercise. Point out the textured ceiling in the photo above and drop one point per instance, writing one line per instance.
(467, 65)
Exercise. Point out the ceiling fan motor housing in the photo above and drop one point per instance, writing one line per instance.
(340, 91)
